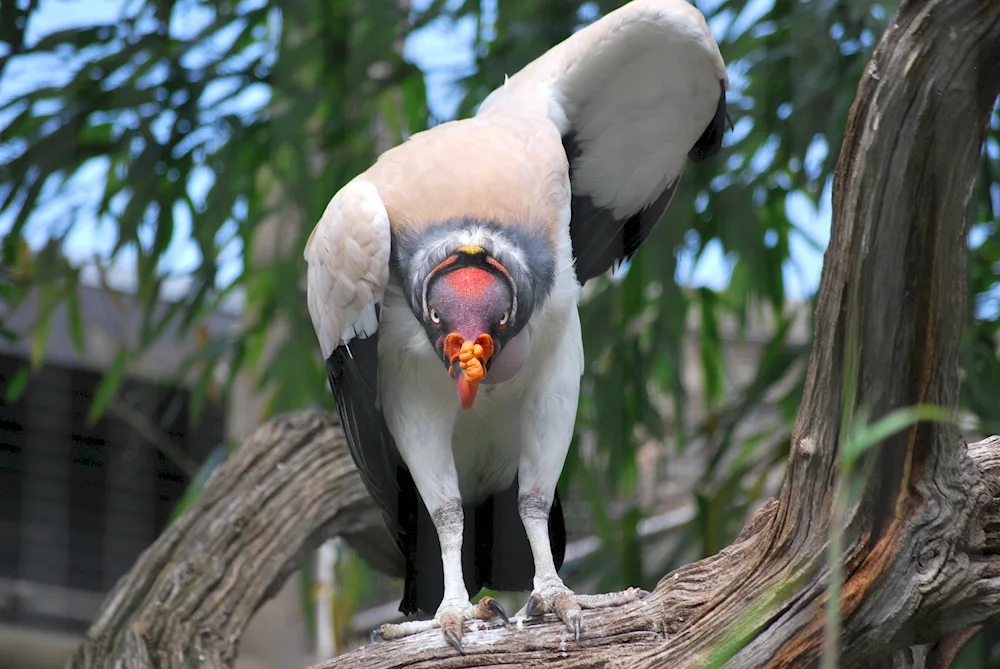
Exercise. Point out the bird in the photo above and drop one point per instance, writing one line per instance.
(444, 284)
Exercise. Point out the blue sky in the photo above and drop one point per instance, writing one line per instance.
(443, 51)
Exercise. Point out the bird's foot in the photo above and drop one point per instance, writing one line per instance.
(450, 617)
(567, 605)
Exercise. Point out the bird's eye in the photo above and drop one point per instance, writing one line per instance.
(434, 317)
(505, 317)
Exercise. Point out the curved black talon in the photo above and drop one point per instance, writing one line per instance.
(498, 609)
(534, 602)
(576, 629)
(376, 634)
(454, 640)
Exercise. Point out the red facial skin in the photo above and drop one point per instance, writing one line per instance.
(468, 306)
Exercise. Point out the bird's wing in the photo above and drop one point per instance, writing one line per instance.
(348, 268)
(634, 96)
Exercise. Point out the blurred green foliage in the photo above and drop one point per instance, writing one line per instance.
(238, 131)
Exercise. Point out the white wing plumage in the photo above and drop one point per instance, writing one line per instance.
(634, 96)
(348, 265)
(642, 82)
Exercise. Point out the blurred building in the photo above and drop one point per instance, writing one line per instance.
(80, 502)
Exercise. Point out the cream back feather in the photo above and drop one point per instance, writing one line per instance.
(502, 171)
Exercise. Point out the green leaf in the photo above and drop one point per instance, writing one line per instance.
(712, 362)
(200, 390)
(197, 484)
(108, 387)
(40, 336)
(17, 383)
(864, 437)
(753, 617)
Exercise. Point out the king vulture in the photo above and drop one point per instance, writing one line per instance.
(444, 282)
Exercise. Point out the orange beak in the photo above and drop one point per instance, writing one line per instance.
(470, 358)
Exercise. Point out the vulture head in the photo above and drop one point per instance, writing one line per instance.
(471, 317)
(473, 286)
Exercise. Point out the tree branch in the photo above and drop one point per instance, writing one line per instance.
(695, 614)
(920, 537)
(191, 595)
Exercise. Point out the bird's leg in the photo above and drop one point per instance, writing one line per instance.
(550, 594)
(455, 607)
(547, 426)
(424, 439)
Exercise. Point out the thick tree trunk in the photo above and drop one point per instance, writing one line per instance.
(920, 532)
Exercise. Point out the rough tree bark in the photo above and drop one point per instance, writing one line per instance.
(921, 540)
(188, 598)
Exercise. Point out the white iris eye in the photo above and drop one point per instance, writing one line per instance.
(505, 317)
(434, 316)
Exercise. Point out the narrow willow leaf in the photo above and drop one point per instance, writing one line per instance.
(864, 437)
(21, 259)
(40, 333)
(108, 387)
(200, 391)
(713, 365)
(754, 616)
(211, 463)
(16, 385)
(39, 340)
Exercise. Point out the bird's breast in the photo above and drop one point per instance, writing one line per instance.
(486, 446)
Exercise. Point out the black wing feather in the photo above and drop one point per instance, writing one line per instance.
(353, 375)
(599, 239)
(352, 371)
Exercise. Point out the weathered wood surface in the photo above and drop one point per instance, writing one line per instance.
(920, 543)
(190, 596)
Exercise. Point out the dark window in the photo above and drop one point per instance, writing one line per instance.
(80, 502)
(11, 470)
